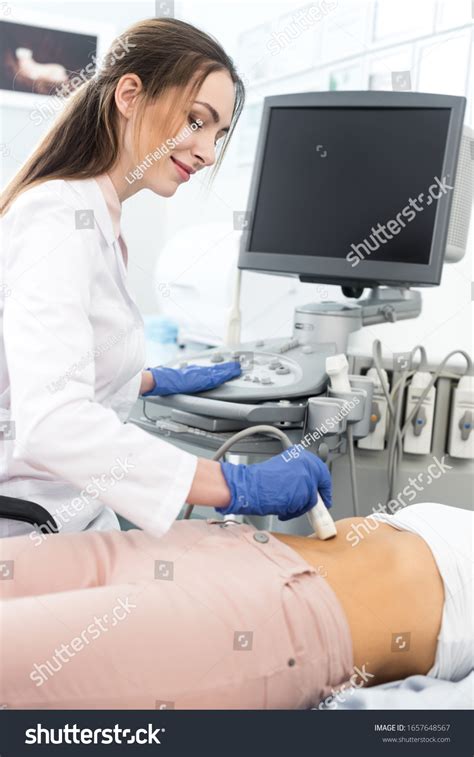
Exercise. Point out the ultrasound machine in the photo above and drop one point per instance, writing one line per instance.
(365, 190)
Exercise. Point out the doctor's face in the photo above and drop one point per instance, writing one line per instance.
(194, 147)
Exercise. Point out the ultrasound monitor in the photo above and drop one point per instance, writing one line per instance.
(353, 188)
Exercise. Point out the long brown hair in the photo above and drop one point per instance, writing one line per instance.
(172, 59)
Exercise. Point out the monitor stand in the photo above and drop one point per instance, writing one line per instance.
(335, 321)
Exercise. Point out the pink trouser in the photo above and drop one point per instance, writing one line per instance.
(210, 616)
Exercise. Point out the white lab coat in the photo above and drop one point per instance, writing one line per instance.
(71, 356)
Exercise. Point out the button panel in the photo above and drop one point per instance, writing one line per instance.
(278, 368)
(258, 368)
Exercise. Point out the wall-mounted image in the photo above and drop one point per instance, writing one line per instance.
(44, 59)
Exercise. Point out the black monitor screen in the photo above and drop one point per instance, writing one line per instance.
(333, 178)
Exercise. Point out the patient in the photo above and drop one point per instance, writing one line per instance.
(220, 616)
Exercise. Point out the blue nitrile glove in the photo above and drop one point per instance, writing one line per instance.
(193, 378)
(286, 485)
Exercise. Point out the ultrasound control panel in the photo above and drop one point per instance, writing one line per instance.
(272, 369)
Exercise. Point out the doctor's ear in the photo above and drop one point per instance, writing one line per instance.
(127, 90)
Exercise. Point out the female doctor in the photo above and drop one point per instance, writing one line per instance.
(71, 336)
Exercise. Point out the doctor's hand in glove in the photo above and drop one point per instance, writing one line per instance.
(161, 381)
(286, 485)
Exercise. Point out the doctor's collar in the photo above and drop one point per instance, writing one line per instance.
(114, 206)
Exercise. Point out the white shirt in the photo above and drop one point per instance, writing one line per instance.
(448, 531)
(71, 356)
